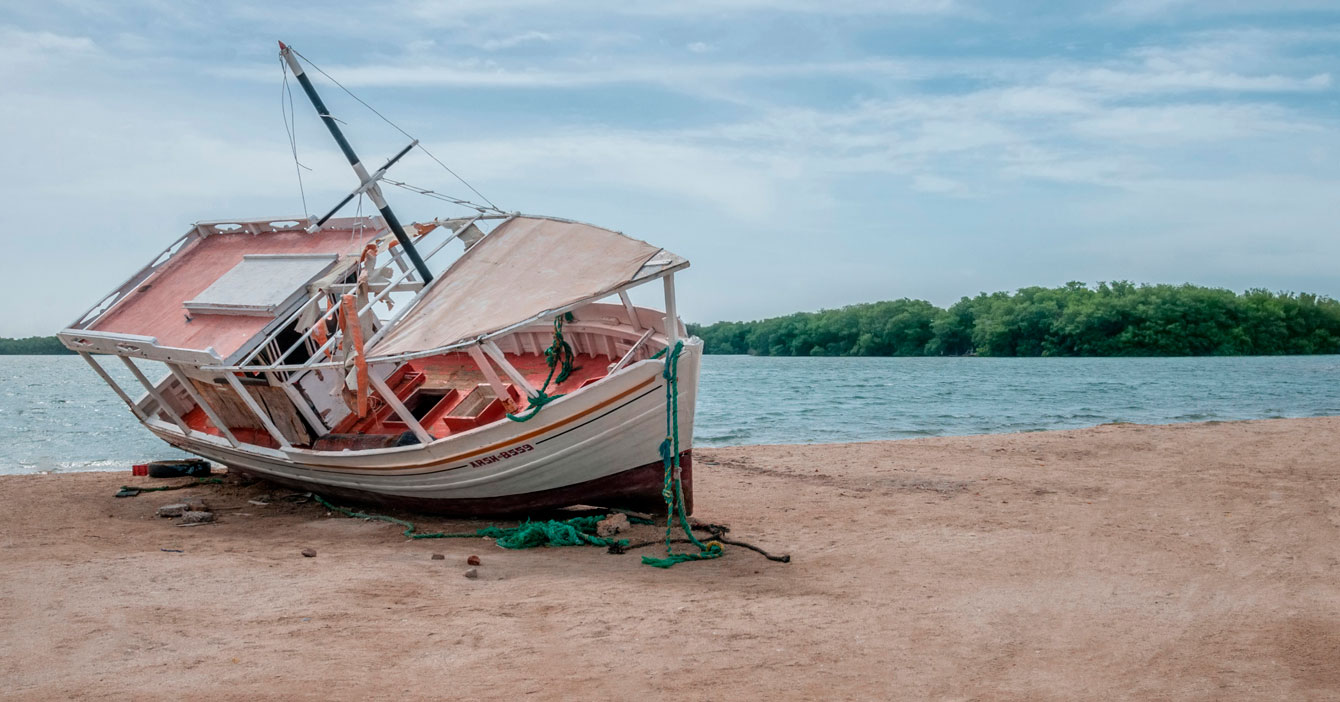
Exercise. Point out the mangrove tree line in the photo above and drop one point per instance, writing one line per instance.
(33, 345)
(1110, 319)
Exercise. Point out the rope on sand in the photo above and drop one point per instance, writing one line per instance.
(578, 531)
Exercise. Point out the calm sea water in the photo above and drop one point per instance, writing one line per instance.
(56, 415)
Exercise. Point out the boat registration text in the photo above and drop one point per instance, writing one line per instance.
(501, 455)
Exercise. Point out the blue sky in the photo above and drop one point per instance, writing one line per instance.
(802, 155)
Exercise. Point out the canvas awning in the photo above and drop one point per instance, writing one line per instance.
(526, 268)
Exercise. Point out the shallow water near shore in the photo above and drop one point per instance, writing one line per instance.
(56, 415)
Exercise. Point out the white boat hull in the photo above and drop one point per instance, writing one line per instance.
(599, 445)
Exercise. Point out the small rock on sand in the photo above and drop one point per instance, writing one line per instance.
(309, 552)
(438, 557)
(173, 510)
(195, 517)
(472, 560)
(472, 573)
(612, 525)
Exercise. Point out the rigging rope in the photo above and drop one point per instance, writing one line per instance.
(434, 194)
(291, 128)
(397, 128)
(558, 355)
(673, 491)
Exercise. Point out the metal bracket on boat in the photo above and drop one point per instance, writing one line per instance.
(363, 187)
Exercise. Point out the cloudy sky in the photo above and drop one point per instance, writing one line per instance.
(802, 155)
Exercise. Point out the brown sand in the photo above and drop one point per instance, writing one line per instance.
(1189, 562)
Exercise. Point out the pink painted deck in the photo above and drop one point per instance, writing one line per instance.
(156, 309)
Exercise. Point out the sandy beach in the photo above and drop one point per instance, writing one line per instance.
(1183, 562)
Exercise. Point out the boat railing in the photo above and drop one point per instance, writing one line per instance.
(276, 363)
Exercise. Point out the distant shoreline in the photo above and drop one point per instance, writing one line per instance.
(1108, 319)
(33, 346)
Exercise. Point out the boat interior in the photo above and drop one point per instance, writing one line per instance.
(447, 393)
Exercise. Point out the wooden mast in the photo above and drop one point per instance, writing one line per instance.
(374, 191)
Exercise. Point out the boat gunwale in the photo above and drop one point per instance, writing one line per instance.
(302, 456)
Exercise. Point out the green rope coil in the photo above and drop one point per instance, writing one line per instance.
(578, 531)
(673, 490)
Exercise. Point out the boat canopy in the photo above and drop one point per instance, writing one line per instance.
(527, 269)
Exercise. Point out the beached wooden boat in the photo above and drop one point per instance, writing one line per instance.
(342, 355)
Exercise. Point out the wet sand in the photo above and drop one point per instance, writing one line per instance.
(1184, 562)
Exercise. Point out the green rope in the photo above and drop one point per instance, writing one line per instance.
(559, 355)
(578, 531)
(673, 491)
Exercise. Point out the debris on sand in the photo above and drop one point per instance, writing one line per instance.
(196, 517)
(612, 525)
(172, 510)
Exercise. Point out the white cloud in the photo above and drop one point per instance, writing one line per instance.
(1122, 82)
(1160, 9)
(1192, 123)
(457, 13)
(743, 184)
(514, 40)
(927, 183)
(21, 48)
(424, 71)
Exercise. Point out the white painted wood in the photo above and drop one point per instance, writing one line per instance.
(671, 318)
(116, 387)
(295, 396)
(320, 385)
(257, 410)
(496, 354)
(133, 345)
(261, 284)
(632, 352)
(189, 387)
(489, 374)
(400, 410)
(153, 392)
(630, 309)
